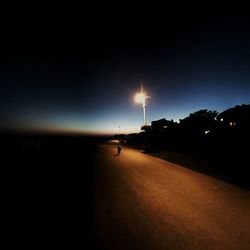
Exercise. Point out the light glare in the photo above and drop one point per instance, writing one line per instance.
(140, 98)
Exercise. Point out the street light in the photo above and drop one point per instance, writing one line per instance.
(141, 99)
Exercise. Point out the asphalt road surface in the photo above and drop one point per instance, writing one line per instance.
(142, 202)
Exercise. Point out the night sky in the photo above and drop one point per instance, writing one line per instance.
(76, 67)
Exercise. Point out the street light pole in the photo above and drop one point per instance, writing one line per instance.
(144, 105)
(141, 98)
(144, 113)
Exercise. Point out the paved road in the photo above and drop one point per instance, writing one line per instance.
(142, 202)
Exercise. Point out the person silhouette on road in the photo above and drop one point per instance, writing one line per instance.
(119, 149)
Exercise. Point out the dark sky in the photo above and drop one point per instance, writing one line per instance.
(76, 66)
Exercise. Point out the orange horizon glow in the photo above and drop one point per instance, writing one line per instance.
(67, 131)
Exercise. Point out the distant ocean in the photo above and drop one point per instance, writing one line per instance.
(47, 189)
